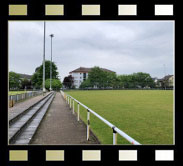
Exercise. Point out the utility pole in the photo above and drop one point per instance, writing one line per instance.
(51, 63)
(44, 90)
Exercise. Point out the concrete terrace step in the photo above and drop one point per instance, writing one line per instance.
(20, 109)
(27, 134)
(21, 121)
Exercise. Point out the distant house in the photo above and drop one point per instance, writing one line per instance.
(155, 79)
(167, 81)
(81, 74)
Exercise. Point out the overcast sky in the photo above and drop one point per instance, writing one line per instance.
(122, 46)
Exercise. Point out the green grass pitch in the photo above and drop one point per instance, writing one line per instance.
(145, 115)
(16, 92)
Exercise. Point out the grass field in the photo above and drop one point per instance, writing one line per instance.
(145, 115)
(16, 92)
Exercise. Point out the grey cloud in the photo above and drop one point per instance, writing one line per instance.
(122, 46)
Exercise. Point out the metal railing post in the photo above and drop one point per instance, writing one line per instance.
(88, 125)
(114, 137)
(78, 111)
(73, 106)
(70, 102)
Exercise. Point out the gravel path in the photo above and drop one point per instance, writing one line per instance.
(60, 126)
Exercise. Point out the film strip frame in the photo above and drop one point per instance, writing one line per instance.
(92, 9)
(83, 155)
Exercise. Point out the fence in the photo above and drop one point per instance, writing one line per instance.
(18, 97)
(69, 99)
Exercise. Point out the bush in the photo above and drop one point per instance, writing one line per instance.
(86, 84)
(56, 84)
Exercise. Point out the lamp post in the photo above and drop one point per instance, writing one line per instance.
(51, 63)
(44, 90)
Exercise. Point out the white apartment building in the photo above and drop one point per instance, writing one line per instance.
(81, 74)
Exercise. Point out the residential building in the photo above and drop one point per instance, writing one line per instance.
(81, 74)
(167, 81)
(155, 79)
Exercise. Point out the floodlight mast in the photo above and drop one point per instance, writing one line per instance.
(44, 90)
(52, 35)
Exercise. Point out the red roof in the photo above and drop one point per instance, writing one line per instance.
(86, 70)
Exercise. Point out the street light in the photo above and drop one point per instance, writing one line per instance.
(51, 63)
(44, 90)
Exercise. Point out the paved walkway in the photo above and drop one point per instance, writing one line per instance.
(60, 126)
(23, 105)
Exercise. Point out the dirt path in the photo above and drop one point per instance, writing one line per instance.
(60, 126)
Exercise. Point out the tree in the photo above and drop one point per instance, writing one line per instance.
(37, 77)
(98, 77)
(14, 80)
(35, 80)
(25, 83)
(111, 79)
(143, 80)
(56, 84)
(136, 80)
(103, 79)
(86, 84)
(68, 81)
(125, 81)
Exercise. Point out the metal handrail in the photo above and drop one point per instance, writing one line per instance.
(115, 129)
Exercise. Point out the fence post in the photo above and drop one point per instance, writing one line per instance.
(11, 101)
(70, 102)
(68, 99)
(73, 106)
(78, 111)
(114, 137)
(88, 125)
(16, 98)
